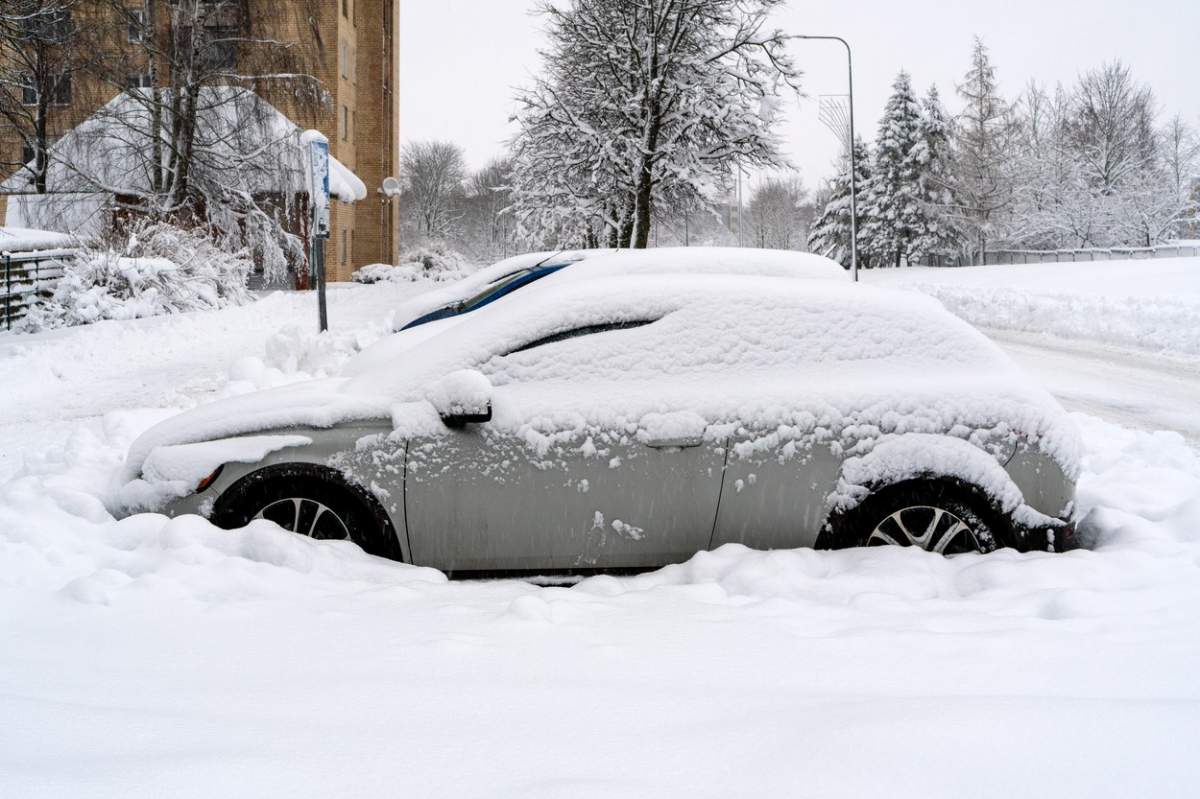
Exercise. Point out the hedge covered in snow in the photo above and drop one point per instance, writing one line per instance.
(430, 262)
(158, 269)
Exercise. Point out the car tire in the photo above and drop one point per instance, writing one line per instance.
(310, 500)
(943, 516)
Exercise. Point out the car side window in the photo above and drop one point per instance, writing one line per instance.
(586, 330)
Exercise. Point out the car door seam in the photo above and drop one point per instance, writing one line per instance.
(720, 493)
(404, 502)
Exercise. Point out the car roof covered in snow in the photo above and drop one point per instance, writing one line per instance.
(660, 260)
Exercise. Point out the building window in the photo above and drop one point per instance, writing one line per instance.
(50, 25)
(60, 94)
(221, 49)
(346, 8)
(137, 25)
(137, 80)
(216, 49)
(344, 58)
(353, 126)
(345, 123)
(344, 253)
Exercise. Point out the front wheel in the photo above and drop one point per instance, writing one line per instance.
(313, 501)
(939, 516)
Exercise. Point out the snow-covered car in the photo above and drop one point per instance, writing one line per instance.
(628, 420)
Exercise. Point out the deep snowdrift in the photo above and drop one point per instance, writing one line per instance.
(1148, 305)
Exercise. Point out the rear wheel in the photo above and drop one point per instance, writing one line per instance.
(313, 501)
(940, 516)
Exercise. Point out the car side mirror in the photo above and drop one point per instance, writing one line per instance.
(461, 398)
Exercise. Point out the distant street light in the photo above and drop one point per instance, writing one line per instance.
(850, 147)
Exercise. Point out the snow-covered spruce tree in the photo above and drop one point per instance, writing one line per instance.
(830, 233)
(642, 103)
(938, 238)
(893, 212)
(986, 136)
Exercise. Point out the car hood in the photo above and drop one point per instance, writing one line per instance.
(316, 403)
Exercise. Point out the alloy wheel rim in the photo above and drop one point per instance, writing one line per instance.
(308, 517)
(926, 527)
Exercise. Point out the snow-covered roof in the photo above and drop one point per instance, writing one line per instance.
(16, 239)
(846, 363)
(242, 140)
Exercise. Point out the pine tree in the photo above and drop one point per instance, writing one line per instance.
(985, 148)
(938, 238)
(895, 216)
(830, 233)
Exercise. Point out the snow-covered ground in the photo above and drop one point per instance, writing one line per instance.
(156, 658)
(1119, 339)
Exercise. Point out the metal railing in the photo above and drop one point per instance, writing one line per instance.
(1071, 256)
(26, 276)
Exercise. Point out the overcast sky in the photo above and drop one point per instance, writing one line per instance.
(461, 59)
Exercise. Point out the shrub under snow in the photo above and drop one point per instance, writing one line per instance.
(159, 269)
(430, 262)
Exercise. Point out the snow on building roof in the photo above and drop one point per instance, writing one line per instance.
(242, 142)
(17, 239)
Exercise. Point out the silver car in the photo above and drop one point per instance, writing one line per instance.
(627, 417)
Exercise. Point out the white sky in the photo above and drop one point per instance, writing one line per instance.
(460, 60)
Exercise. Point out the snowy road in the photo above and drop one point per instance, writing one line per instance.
(1137, 390)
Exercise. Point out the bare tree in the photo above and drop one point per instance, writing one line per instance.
(188, 137)
(1112, 125)
(775, 213)
(41, 52)
(433, 172)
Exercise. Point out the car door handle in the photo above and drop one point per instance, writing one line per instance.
(680, 442)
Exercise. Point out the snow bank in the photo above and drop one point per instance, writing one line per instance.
(436, 262)
(1148, 305)
(159, 270)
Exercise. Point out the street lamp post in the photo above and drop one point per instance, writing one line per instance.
(853, 170)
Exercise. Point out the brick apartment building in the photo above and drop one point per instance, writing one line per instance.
(353, 43)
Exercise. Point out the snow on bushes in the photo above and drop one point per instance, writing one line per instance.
(158, 269)
(431, 262)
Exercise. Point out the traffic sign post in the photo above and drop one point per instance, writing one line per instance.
(318, 201)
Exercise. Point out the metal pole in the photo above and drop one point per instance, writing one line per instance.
(739, 204)
(322, 312)
(853, 170)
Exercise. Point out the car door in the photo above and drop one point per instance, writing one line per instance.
(568, 495)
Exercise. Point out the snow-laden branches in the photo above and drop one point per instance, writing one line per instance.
(643, 103)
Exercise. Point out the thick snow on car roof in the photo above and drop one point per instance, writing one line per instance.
(661, 260)
(703, 323)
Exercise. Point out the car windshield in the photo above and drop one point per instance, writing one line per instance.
(490, 293)
(494, 290)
